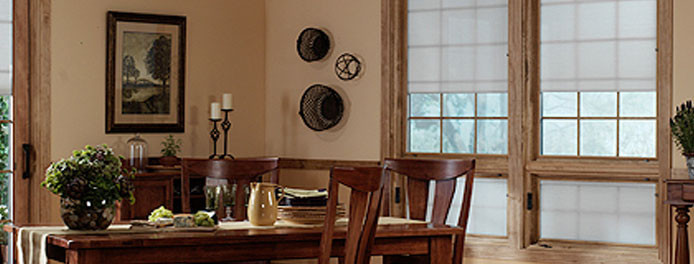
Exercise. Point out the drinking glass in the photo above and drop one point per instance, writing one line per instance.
(228, 195)
(212, 197)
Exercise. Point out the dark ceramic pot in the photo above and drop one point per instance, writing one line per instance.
(81, 215)
(168, 161)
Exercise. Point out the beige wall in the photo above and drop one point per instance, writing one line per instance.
(354, 27)
(683, 63)
(225, 53)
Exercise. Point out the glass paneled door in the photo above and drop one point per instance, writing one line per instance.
(6, 44)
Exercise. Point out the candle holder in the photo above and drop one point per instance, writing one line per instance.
(214, 134)
(226, 125)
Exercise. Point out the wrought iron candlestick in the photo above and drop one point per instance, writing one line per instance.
(226, 125)
(214, 134)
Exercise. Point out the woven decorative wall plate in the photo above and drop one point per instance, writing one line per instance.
(313, 44)
(321, 107)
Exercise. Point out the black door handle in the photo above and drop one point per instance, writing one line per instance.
(27, 160)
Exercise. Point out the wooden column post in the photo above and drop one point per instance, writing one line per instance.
(682, 247)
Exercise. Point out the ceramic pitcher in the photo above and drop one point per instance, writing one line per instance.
(262, 204)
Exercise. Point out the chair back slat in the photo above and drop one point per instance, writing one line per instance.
(240, 171)
(366, 185)
(442, 200)
(445, 173)
(417, 195)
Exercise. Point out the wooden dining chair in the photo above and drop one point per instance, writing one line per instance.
(445, 173)
(364, 206)
(241, 171)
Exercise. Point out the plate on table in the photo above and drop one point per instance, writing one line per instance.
(306, 215)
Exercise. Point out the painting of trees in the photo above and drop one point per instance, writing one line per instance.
(129, 69)
(159, 59)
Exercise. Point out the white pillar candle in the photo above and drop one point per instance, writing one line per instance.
(226, 101)
(214, 111)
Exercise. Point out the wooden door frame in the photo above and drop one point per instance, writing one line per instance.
(31, 109)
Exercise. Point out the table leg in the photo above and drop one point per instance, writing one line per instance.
(682, 247)
(441, 250)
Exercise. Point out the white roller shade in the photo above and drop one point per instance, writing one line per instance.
(607, 45)
(457, 46)
(5, 56)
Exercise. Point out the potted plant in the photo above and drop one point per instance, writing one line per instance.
(171, 147)
(89, 184)
(682, 126)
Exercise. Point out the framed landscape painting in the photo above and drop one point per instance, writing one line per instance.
(145, 71)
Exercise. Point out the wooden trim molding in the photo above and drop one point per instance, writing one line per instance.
(664, 141)
(20, 90)
(323, 164)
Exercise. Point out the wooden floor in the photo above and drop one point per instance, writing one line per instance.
(377, 260)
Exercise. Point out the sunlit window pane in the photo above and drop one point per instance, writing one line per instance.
(425, 135)
(599, 104)
(492, 104)
(425, 104)
(458, 136)
(637, 138)
(598, 137)
(492, 136)
(559, 137)
(559, 104)
(637, 104)
(459, 104)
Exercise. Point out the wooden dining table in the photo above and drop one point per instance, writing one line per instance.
(243, 245)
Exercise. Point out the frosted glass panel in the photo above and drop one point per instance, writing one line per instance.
(559, 104)
(459, 104)
(423, 28)
(492, 136)
(488, 208)
(492, 105)
(637, 104)
(637, 138)
(600, 104)
(458, 136)
(422, 104)
(425, 135)
(598, 137)
(559, 137)
(604, 212)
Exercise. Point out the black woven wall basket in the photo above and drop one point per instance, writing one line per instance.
(321, 107)
(313, 44)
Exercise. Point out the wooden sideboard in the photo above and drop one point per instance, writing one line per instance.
(152, 189)
(680, 195)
